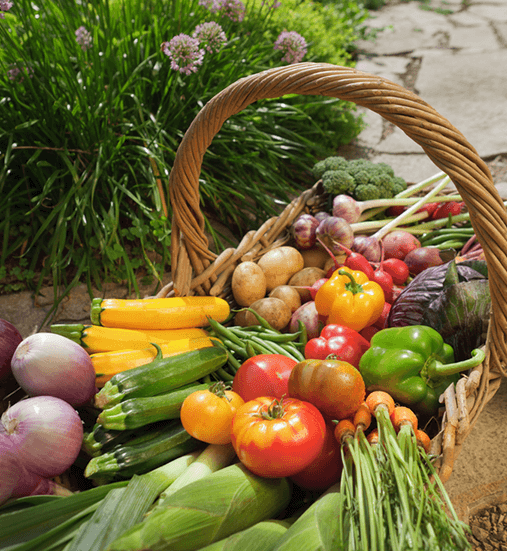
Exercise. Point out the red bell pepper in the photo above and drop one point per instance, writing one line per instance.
(452, 208)
(345, 343)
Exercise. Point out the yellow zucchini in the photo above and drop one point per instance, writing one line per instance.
(95, 338)
(107, 364)
(158, 313)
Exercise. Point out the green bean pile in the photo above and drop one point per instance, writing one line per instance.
(447, 238)
(242, 343)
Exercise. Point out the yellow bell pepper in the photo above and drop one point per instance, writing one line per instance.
(349, 298)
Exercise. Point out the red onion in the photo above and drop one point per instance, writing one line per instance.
(10, 337)
(332, 231)
(44, 432)
(10, 471)
(303, 230)
(47, 364)
(368, 246)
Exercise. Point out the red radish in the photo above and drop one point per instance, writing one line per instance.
(356, 261)
(381, 323)
(443, 211)
(398, 243)
(369, 331)
(313, 288)
(397, 269)
(381, 277)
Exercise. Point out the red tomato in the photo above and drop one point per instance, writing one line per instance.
(263, 375)
(325, 470)
(277, 438)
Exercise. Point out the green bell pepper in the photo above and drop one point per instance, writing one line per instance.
(413, 365)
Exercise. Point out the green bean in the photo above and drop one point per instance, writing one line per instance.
(222, 331)
(251, 350)
(274, 347)
(233, 362)
(444, 237)
(222, 373)
(238, 349)
(257, 348)
(450, 245)
(273, 336)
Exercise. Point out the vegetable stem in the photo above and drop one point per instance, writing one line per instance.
(437, 370)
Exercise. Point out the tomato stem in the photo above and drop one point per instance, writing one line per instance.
(218, 388)
(275, 410)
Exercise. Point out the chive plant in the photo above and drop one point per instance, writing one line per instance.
(95, 98)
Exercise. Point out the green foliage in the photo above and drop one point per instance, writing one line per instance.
(361, 179)
(88, 135)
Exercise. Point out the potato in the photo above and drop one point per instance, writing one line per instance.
(248, 283)
(289, 295)
(316, 257)
(306, 278)
(273, 310)
(279, 265)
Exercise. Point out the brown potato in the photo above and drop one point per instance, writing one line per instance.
(306, 278)
(248, 283)
(316, 257)
(279, 265)
(273, 310)
(289, 295)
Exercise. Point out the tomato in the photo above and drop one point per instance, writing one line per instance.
(335, 387)
(207, 414)
(325, 470)
(263, 375)
(277, 438)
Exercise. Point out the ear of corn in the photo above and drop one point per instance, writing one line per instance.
(208, 510)
(317, 529)
(95, 338)
(108, 364)
(158, 313)
(261, 536)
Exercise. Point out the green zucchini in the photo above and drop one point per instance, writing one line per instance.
(138, 412)
(161, 375)
(138, 457)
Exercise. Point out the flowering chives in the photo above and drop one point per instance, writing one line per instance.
(292, 45)
(211, 36)
(83, 38)
(5, 5)
(233, 9)
(184, 53)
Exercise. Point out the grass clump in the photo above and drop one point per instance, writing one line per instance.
(95, 98)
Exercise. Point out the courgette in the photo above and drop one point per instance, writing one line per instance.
(138, 412)
(161, 375)
(131, 458)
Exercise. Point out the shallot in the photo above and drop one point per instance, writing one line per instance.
(10, 337)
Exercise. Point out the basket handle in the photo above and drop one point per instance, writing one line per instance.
(442, 142)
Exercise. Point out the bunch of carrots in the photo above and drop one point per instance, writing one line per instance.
(393, 497)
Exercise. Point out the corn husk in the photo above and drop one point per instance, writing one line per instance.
(208, 510)
(317, 529)
(262, 536)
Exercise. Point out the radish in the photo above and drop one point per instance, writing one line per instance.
(398, 243)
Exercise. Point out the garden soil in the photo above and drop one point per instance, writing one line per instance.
(453, 54)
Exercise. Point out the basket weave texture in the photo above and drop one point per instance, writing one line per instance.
(197, 270)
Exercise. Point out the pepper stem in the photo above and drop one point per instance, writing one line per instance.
(438, 370)
(352, 286)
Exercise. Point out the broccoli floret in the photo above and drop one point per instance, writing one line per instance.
(330, 163)
(361, 178)
(336, 182)
(399, 185)
(367, 192)
(386, 168)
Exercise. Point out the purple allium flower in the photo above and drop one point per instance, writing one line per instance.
(233, 9)
(184, 52)
(274, 4)
(211, 36)
(18, 74)
(212, 5)
(83, 38)
(13, 73)
(5, 5)
(292, 44)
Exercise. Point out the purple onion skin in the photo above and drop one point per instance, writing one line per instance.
(308, 315)
(10, 338)
(334, 230)
(344, 206)
(368, 246)
(303, 230)
(46, 364)
(322, 215)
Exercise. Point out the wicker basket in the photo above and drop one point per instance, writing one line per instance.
(197, 270)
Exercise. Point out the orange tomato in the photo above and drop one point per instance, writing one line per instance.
(207, 414)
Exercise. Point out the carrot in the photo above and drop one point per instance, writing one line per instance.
(378, 399)
(423, 440)
(344, 429)
(403, 416)
(373, 437)
(362, 417)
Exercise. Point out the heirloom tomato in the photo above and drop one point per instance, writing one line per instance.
(263, 375)
(207, 414)
(276, 438)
